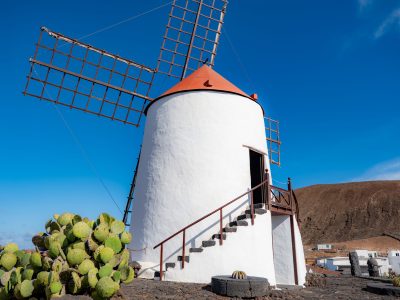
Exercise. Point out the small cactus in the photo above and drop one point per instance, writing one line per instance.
(396, 281)
(239, 275)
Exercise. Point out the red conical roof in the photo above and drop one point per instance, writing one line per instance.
(205, 78)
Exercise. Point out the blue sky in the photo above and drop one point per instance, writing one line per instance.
(328, 70)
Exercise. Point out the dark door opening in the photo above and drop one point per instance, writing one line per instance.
(257, 175)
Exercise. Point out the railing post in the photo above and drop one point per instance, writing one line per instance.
(161, 261)
(294, 253)
(290, 194)
(268, 204)
(252, 207)
(183, 248)
(220, 227)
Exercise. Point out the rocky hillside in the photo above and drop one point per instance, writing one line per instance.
(348, 211)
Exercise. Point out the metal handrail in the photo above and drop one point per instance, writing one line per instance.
(267, 201)
(219, 209)
(209, 214)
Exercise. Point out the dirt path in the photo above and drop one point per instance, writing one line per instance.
(342, 287)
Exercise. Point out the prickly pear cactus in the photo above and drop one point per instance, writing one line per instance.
(74, 255)
(239, 275)
(396, 281)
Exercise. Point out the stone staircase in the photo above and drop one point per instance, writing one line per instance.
(230, 228)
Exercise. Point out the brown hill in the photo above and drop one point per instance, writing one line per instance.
(348, 211)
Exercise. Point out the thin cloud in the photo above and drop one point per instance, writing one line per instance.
(364, 3)
(391, 22)
(387, 170)
(23, 240)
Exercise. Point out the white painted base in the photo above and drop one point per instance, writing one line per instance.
(283, 253)
(250, 249)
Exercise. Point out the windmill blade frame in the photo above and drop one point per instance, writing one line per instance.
(273, 140)
(89, 79)
(191, 37)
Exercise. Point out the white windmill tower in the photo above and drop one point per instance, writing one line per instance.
(203, 176)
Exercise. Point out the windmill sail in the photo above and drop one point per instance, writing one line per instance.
(74, 74)
(273, 140)
(191, 36)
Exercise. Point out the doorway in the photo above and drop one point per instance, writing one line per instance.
(257, 175)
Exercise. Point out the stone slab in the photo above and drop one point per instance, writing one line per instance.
(249, 287)
(383, 289)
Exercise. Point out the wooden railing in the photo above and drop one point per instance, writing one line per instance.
(272, 197)
(281, 199)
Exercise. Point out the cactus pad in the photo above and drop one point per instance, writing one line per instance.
(92, 277)
(65, 219)
(105, 271)
(106, 254)
(106, 287)
(101, 232)
(81, 230)
(126, 237)
(117, 227)
(76, 256)
(8, 260)
(86, 266)
(114, 243)
(11, 248)
(26, 288)
(55, 287)
(36, 260)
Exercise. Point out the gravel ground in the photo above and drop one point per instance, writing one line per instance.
(342, 287)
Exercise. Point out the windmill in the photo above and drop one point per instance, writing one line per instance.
(68, 72)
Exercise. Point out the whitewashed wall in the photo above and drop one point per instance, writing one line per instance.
(249, 249)
(301, 261)
(193, 160)
(282, 247)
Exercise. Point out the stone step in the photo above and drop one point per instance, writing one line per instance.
(218, 236)
(257, 211)
(196, 250)
(186, 258)
(259, 205)
(244, 217)
(208, 243)
(238, 223)
(229, 229)
(169, 265)
(157, 274)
